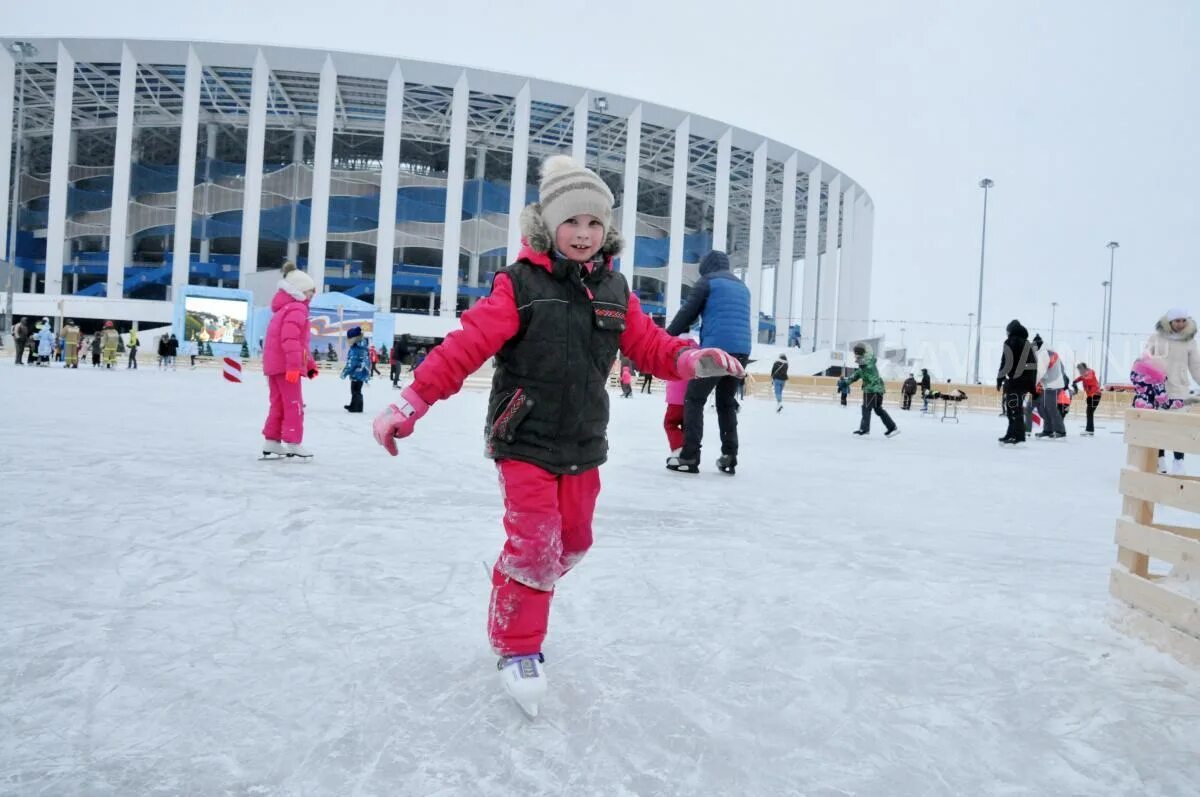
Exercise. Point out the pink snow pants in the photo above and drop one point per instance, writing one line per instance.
(285, 418)
(548, 520)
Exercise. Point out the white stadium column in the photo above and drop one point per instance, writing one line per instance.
(629, 194)
(8, 89)
(389, 182)
(758, 207)
(721, 198)
(318, 229)
(579, 133)
(184, 191)
(678, 207)
(478, 175)
(828, 265)
(812, 242)
(255, 138)
(210, 154)
(786, 268)
(118, 228)
(60, 156)
(452, 237)
(844, 321)
(520, 171)
(864, 228)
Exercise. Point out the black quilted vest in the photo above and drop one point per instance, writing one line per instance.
(549, 401)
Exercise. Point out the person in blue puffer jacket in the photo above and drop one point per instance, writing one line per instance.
(721, 302)
(357, 367)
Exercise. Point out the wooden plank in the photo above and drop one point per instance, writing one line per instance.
(1156, 489)
(1157, 542)
(1185, 418)
(1182, 531)
(1169, 640)
(1157, 433)
(1178, 611)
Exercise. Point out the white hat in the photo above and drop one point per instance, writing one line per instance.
(295, 282)
(1177, 313)
(568, 189)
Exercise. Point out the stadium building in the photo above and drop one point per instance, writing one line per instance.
(143, 171)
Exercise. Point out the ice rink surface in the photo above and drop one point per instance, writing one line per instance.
(925, 615)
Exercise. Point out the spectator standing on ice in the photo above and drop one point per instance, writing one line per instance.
(555, 321)
(172, 350)
(20, 333)
(721, 302)
(358, 367)
(71, 339)
(45, 341)
(907, 391)
(1051, 378)
(926, 387)
(873, 390)
(285, 360)
(1174, 343)
(1017, 379)
(133, 347)
(779, 378)
(108, 337)
(1091, 388)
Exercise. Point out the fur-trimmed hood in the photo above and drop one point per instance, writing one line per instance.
(540, 238)
(1163, 327)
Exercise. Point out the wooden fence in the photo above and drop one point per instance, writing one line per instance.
(1162, 613)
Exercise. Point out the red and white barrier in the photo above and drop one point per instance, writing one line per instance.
(232, 370)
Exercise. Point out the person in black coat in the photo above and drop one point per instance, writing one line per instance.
(907, 391)
(926, 387)
(1017, 379)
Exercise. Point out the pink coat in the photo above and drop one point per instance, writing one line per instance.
(626, 375)
(286, 345)
(676, 390)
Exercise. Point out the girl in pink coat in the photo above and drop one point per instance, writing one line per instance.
(285, 357)
(555, 322)
(626, 381)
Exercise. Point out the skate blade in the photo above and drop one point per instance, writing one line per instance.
(528, 709)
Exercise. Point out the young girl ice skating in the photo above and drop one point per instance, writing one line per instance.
(285, 358)
(554, 321)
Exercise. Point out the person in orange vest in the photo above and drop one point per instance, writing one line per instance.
(1091, 388)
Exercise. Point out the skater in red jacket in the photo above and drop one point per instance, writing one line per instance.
(555, 321)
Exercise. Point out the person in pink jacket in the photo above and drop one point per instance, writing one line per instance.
(626, 381)
(673, 419)
(555, 321)
(285, 359)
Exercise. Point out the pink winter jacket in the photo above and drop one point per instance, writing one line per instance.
(286, 346)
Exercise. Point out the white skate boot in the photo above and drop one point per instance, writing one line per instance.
(1177, 468)
(298, 451)
(524, 679)
(1162, 464)
(272, 449)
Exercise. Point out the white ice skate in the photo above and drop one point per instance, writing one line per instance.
(524, 679)
(1162, 465)
(272, 449)
(297, 451)
(1177, 468)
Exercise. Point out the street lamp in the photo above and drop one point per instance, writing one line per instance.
(1112, 257)
(1103, 326)
(20, 51)
(902, 337)
(985, 184)
(1053, 311)
(970, 325)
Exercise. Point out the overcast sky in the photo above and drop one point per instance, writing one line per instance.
(1086, 113)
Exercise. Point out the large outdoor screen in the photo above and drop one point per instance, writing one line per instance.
(214, 320)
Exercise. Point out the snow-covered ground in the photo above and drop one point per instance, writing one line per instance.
(926, 615)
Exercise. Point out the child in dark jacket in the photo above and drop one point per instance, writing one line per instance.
(547, 414)
(357, 368)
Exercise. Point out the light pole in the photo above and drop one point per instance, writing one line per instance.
(20, 51)
(1112, 257)
(985, 184)
(970, 326)
(1103, 329)
(1053, 312)
(902, 337)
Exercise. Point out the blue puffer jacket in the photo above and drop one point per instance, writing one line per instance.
(722, 303)
(358, 362)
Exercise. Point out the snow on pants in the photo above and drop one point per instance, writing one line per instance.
(548, 520)
(673, 423)
(285, 418)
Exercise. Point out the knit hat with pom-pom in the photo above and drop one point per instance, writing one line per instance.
(568, 189)
(296, 282)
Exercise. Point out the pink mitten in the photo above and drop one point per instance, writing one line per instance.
(703, 363)
(398, 420)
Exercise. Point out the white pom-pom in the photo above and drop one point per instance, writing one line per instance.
(556, 164)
